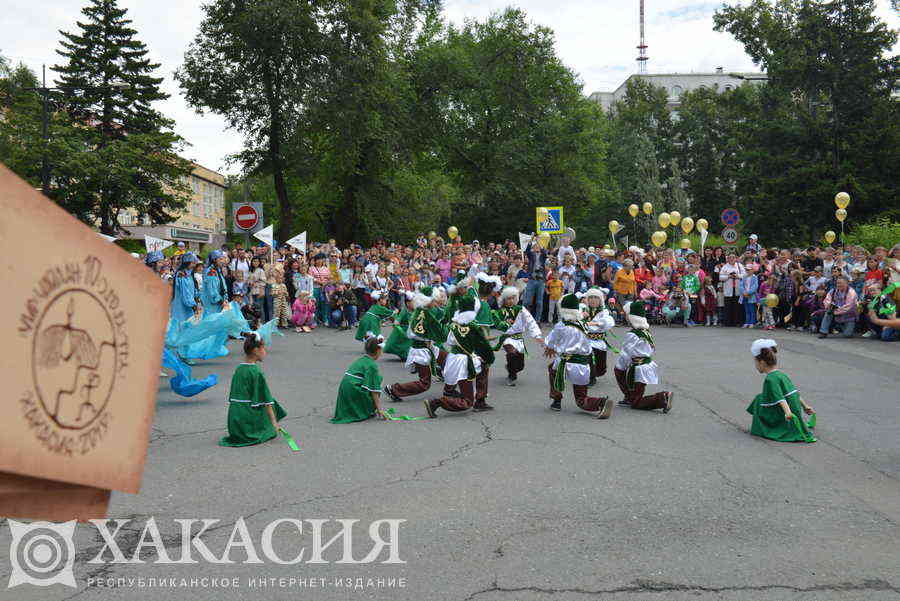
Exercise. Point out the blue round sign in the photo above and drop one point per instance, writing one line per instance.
(731, 217)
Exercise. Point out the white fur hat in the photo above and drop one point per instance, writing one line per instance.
(496, 280)
(597, 293)
(638, 322)
(509, 292)
(758, 345)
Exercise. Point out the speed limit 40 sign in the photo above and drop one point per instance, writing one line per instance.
(729, 235)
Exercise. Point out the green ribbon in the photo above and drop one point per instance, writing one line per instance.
(559, 380)
(389, 413)
(799, 424)
(629, 374)
(290, 440)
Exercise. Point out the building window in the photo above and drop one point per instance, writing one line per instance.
(677, 91)
(729, 87)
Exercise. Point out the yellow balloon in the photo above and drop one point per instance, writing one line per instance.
(633, 210)
(658, 238)
(544, 239)
(542, 214)
(452, 231)
(685, 243)
(830, 236)
(648, 208)
(687, 224)
(674, 217)
(702, 224)
(614, 226)
(432, 235)
(772, 300)
(842, 200)
(663, 220)
(606, 246)
(841, 214)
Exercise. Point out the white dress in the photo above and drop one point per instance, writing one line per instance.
(456, 367)
(601, 322)
(570, 340)
(635, 346)
(524, 324)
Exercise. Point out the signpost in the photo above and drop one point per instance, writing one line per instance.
(247, 217)
(550, 220)
(730, 217)
(730, 236)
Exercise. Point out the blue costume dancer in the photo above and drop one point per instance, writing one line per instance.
(215, 289)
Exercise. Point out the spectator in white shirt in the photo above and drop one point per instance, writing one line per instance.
(731, 274)
(240, 262)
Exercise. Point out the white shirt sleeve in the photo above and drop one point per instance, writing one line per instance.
(525, 323)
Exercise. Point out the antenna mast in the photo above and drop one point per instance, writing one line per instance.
(642, 47)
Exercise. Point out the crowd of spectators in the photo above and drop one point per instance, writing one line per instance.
(822, 290)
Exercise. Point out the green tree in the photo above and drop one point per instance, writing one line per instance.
(826, 120)
(511, 122)
(258, 63)
(125, 154)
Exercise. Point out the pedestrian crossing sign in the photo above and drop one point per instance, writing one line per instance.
(550, 220)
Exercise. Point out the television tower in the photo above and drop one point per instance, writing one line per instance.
(642, 47)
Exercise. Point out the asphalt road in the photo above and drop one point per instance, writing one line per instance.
(524, 504)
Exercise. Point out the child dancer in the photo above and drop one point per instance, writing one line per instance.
(515, 321)
(766, 288)
(253, 413)
(304, 316)
(468, 349)
(360, 390)
(488, 286)
(569, 345)
(599, 321)
(375, 316)
(424, 332)
(635, 367)
(398, 343)
(776, 411)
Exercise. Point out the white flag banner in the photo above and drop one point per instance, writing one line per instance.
(524, 239)
(107, 238)
(156, 243)
(298, 242)
(267, 235)
(703, 235)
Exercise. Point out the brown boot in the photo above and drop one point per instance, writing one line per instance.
(605, 409)
(481, 405)
(431, 406)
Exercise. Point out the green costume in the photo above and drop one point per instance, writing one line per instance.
(453, 304)
(248, 420)
(768, 416)
(372, 320)
(354, 401)
(398, 343)
(484, 317)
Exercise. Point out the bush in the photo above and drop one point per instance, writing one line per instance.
(883, 231)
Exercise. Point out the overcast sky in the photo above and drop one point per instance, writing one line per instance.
(596, 38)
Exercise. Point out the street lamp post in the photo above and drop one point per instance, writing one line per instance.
(44, 92)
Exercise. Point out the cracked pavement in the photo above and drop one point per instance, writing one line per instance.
(523, 504)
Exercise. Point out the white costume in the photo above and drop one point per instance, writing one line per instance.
(635, 346)
(569, 340)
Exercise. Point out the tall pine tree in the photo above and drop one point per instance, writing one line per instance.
(127, 152)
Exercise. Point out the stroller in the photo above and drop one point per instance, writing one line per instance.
(653, 304)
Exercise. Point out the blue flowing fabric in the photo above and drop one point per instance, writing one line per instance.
(181, 382)
(206, 338)
(267, 329)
